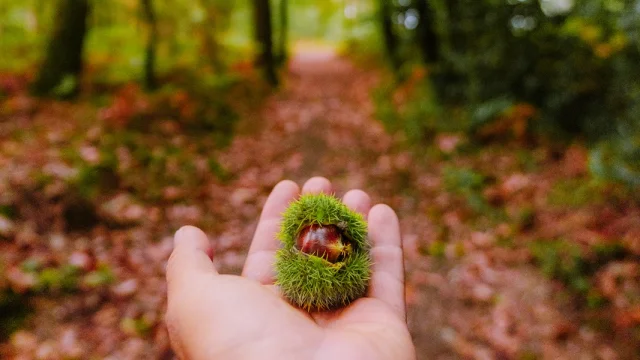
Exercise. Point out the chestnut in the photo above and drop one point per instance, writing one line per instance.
(325, 241)
(324, 260)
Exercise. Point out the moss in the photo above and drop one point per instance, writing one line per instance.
(309, 281)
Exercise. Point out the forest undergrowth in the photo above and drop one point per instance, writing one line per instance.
(512, 250)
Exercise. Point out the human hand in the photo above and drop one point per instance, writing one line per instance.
(215, 316)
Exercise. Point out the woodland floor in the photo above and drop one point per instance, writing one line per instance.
(473, 289)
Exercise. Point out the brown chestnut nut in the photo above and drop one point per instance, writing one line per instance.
(325, 241)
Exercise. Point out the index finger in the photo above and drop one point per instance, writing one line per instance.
(258, 265)
(191, 255)
(387, 280)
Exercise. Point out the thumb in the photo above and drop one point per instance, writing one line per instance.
(191, 256)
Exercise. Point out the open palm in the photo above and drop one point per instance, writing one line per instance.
(213, 316)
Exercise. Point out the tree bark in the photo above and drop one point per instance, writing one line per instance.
(264, 40)
(150, 80)
(385, 12)
(283, 51)
(425, 33)
(63, 59)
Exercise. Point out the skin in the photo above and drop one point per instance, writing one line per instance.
(216, 316)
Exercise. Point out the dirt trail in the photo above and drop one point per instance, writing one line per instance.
(484, 304)
(321, 123)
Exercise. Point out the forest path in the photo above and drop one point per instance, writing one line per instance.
(474, 300)
(321, 123)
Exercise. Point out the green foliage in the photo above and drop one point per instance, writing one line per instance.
(488, 111)
(94, 180)
(312, 282)
(100, 277)
(183, 28)
(576, 66)
(21, 44)
(576, 193)
(564, 261)
(526, 160)
(14, 310)
(136, 326)
(126, 66)
(437, 249)
(211, 113)
(385, 109)
(518, 53)
(63, 279)
(420, 117)
(8, 211)
(132, 151)
(468, 184)
(575, 265)
(525, 218)
(618, 158)
(49, 281)
(66, 87)
(609, 251)
(316, 20)
(461, 180)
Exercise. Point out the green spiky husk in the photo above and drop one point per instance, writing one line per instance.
(309, 281)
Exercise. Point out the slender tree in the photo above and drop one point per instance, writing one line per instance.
(282, 53)
(150, 80)
(425, 33)
(385, 13)
(63, 60)
(264, 39)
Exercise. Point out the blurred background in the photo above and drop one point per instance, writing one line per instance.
(505, 133)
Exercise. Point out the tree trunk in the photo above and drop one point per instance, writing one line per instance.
(264, 39)
(385, 12)
(62, 66)
(426, 33)
(283, 52)
(150, 80)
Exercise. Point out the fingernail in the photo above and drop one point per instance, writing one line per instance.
(184, 232)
